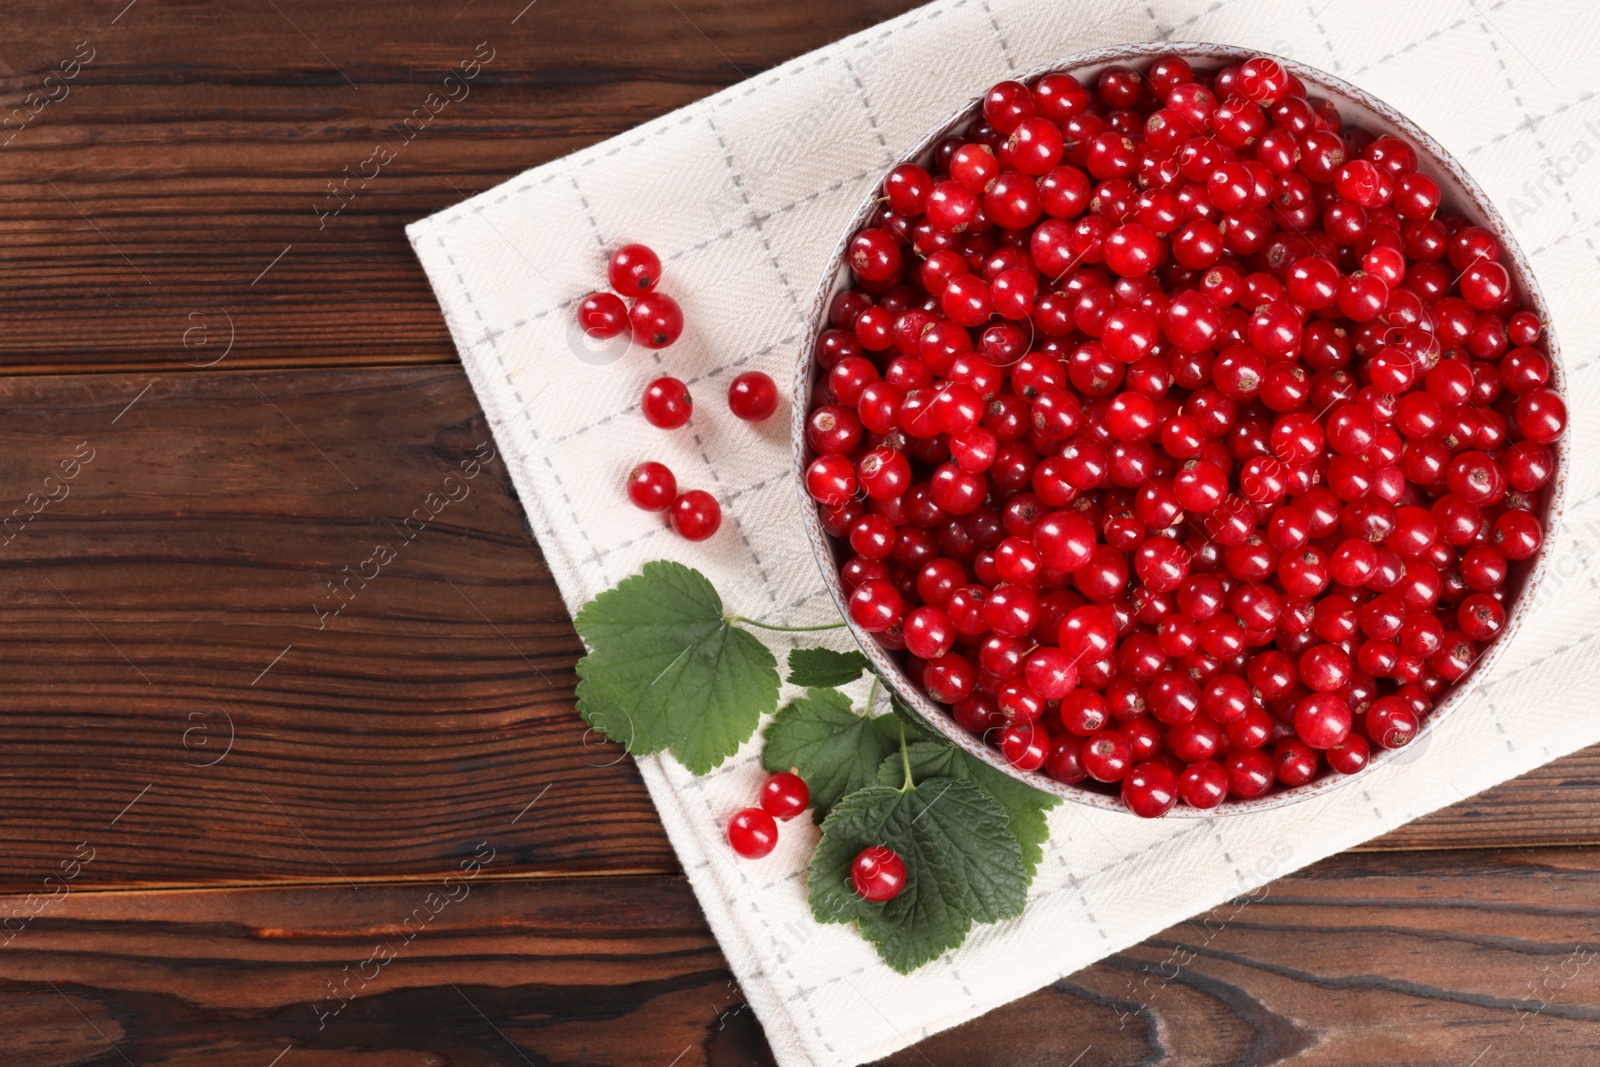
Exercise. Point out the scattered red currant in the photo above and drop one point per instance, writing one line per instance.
(752, 396)
(634, 269)
(603, 315)
(695, 515)
(667, 403)
(652, 487)
(752, 833)
(878, 874)
(656, 319)
(784, 795)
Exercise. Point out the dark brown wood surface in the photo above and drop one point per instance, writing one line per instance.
(252, 397)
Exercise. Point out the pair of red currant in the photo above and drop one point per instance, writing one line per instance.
(694, 515)
(753, 832)
(654, 319)
(666, 404)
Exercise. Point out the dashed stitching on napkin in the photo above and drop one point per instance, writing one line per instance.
(1441, 31)
(756, 216)
(1005, 49)
(517, 393)
(712, 373)
(866, 103)
(744, 195)
(1227, 857)
(1371, 803)
(1532, 125)
(594, 227)
(1583, 98)
(1322, 31)
(1088, 912)
(694, 110)
(1196, 17)
(755, 557)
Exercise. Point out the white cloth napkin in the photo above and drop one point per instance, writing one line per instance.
(744, 195)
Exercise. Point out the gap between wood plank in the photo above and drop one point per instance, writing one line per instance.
(73, 370)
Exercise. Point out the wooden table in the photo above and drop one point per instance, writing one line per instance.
(236, 832)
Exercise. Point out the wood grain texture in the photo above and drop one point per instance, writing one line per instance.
(1373, 960)
(176, 588)
(142, 210)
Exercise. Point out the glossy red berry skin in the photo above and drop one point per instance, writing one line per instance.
(652, 487)
(695, 515)
(753, 396)
(876, 605)
(1150, 790)
(603, 315)
(877, 874)
(1322, 720)
(1025, 746)
(1390, 723)
(666, 403)
(656, 319)
(633, 270)
(752, 833)
(1203, 784)
(1107, 756)
(785, 795)
(831, 480)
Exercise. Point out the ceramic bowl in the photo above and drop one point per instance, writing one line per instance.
(1356, 107)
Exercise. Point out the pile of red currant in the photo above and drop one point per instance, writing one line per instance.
(656, 321)
(1183, 441)
(878, 873)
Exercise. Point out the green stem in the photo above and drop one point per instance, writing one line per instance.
(784, 629)
(872, 694)
(905, 761)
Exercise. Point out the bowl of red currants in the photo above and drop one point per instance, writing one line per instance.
(1179, 430)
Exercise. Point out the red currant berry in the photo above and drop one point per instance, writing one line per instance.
(603, 315)
(752, 833)
(652, 487)
(1150, 789)
(1203, 785)
(633, 269)
(667, 403)
(752, 396)
(785, 795)
(1107, 755)
(656, 319)
(878, 874)
(1250, 772)
(1322, 720)
(695, 515)
(1024, 746)
(1390, 723)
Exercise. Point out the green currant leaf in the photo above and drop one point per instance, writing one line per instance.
(962, 866)
(1024, 805)
(817, 668)
(666, 670)
(834, 749)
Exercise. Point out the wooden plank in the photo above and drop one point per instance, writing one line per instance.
(147, 209)
(1441, 958)
(1557, 804)
(1361, 960)
(175, 589)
